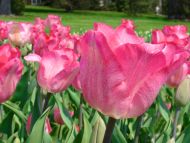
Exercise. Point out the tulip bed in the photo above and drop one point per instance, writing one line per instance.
(104, 85)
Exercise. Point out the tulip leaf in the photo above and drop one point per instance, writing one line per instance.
(162, 139)
(71, 135)
(21, 92)
(64, 113)
(184, 136)
(36, 101)
(87, 131)
(47, 138)
(12, 137)
(94, 117)
(15, 108)
(98, 131)
(6, 123)
(163, 109)
(117, 136)
(74, 97)
(37, 133)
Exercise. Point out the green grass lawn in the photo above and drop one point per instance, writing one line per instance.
(83, 20)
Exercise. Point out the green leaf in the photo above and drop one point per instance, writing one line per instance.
(163, 138)
(12, 137)
(21, 92)
(71, 135)
(36, 101)
(64, 113)
(87, 131)
(47, 138)
(117, 136)
(184, 136)
(163, 109)
(15, 108)
(75, 97)
(98, 131)
(37, 133)
(94, 117)
(5, 126)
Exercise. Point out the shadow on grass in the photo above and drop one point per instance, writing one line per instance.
(38, 10)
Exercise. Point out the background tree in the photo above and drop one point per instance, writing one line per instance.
(5, 7)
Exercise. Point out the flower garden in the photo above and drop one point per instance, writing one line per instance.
(107, 84)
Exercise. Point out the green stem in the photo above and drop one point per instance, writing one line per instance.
(175, 122)
(109, 130)
(59, 133)
(80, 114)
(46, 101)
(138, 127)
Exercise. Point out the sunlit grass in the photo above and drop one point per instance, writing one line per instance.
(83, 20)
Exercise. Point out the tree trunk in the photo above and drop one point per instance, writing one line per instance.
(171, 12)
(5, 7)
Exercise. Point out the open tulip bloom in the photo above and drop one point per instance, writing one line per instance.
(120, 74)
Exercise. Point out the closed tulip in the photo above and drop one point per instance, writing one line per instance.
(47, 125)
(120, 74)
(10, 71)
(175, 79)
(57, 116)
(182, 96)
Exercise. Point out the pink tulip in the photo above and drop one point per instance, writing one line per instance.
(47, 126)
(180, 74)
(58, 39)
(168, 105)
(57, 69)
(77, 128)
(19, 33)
(76, 83)
(10, 71)
(52, 20)
(172, 34)
(57, 116)
(120, 74)
(3, 30)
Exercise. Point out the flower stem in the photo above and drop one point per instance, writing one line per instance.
(59, 133)
(138, 127)
(175, 122)
(80, 113)
(109, 130)
(46, 100)
(80, 116)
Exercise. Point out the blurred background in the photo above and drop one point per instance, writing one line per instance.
(80, 15)
(174, 9)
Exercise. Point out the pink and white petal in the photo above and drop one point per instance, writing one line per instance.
(10, 76)
(62, 80)
(158, 37)
(99, 69)
(33, 58)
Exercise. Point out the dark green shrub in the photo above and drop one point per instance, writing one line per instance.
(17, 7)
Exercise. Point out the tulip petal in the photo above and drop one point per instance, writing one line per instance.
(99, 63)
(33, 58)
(56, 71)
(10, 76)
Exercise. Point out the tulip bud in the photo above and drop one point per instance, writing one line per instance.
(57, 116)
(47, 125)
(182, 96)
